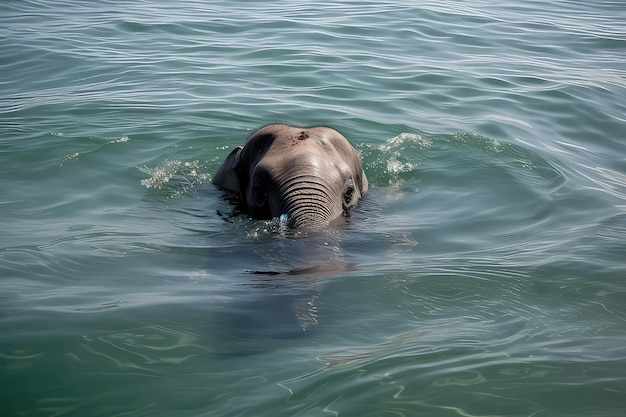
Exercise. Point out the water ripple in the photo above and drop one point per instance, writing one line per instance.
(481, 275)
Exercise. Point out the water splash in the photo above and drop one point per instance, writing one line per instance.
(69, 158)
(180, 176)
(74, 156)
(121, 139)
(396, 160)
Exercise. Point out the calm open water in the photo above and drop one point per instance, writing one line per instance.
(483, 275)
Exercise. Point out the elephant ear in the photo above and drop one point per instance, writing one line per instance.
(359, 174)
(362, 181)
(226, 177)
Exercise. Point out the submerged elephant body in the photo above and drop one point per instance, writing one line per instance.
(306, 176)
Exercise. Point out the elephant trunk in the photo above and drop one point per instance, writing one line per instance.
(307, 202)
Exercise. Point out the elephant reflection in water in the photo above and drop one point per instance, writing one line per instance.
(306, 181)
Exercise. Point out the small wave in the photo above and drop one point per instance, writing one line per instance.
(397, 161)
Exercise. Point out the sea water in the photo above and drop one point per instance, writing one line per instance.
(484, 274)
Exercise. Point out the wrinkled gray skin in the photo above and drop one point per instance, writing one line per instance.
(305, 176)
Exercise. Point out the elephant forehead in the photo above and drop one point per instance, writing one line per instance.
(308, 158)
(304, 163)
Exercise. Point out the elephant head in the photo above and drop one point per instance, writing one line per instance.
(308, 176)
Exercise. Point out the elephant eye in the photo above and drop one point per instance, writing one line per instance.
(259, 196)
(348, 196)
(258, 192)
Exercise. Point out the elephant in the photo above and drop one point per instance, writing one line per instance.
(305, 177)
